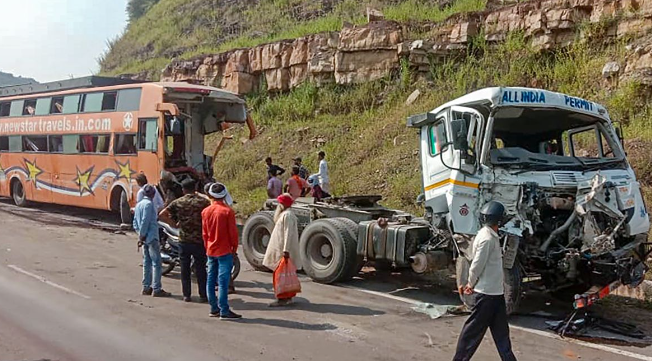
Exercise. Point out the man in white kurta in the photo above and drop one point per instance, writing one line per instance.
(284, 238)
(324, 179)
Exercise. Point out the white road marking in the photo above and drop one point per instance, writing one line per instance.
(47, 282)
(381, 294)
(524, 329)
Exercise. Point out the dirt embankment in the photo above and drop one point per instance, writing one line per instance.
(639, 153)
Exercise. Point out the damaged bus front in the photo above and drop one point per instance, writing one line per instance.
(576, 215)
(190, 113)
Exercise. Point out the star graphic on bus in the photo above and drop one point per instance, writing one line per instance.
(33, 171)
(83, 180)
(124, 171)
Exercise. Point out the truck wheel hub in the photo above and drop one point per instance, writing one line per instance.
(326, 250)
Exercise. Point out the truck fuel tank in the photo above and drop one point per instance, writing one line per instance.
(390, 241)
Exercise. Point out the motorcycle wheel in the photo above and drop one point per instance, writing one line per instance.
(167, 268)
(236, 268)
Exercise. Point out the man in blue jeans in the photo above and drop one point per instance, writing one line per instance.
(220, 235)
(146, 225)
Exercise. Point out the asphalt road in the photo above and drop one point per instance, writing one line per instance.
(70, 290)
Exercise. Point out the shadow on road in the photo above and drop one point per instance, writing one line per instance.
(67, 216)
(288, 324)
(305, 305)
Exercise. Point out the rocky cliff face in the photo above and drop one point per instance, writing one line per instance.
(366, 53)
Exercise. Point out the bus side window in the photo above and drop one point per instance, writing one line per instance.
(129, 100)
(91, 102)
(57, 105)
(71, 104)
(147, 134)
(43, 106)
(35, 143)
(16, 108)
(55, 143)
(94, 143)
(5, 109)
(109, 100)
(30, 107)
(124, 144)
(4, 144)
(15, 143)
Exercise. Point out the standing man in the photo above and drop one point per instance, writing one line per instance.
(221, 241)
(283, 242)
(486, 283)
(141, 180)
(303, 171)
(273, 168)
(274, 186)
(185, 213)
(324, 181)
(146, 225)
(296, 186)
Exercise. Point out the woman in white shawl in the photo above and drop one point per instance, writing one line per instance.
(284, 241)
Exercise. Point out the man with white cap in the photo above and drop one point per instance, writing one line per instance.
(220, 235)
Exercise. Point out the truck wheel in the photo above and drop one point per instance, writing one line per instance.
(18, 193)
(513, 287)
(125, 210)
(255, 237)
(352, 227)
(512, 284)
(328, 252)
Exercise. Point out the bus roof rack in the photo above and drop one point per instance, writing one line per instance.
(85, 82)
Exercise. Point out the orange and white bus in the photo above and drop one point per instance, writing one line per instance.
(80, 142)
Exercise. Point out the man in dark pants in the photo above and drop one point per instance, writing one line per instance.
(486, 284)
(185, 213)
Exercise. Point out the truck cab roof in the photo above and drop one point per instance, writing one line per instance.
(488, 99)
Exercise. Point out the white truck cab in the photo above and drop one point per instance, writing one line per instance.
(557, 164)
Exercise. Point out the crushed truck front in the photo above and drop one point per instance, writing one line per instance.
(576, 215)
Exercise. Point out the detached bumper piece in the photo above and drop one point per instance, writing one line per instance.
(590, 327)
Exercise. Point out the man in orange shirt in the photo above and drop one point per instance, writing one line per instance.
(296, 185)
(220, 235)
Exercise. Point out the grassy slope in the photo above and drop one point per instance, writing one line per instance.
(185, 28)
(369, 148)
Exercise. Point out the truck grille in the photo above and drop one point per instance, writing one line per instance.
(565, 178)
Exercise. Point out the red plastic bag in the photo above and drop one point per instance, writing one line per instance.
(286, 281)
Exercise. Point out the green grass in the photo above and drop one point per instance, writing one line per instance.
(187, 28)
(369, 148)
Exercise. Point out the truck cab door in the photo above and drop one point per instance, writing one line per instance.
(462, 198)
(435, 148)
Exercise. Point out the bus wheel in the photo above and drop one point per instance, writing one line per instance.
(125, 209)
(18, 193)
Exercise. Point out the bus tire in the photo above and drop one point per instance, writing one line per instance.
(18, 193)
(255, 237)
(328, 252)
(125, 210)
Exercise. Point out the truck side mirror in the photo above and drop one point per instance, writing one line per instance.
(619, 134)
(459, 135)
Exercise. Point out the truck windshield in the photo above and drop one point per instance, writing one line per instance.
(552, 139)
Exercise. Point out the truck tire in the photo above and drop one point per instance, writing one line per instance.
(512, 284)
(255, 237)
(328, 252)
(18, 193)
(352, 227)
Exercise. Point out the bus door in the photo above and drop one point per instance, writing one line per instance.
(149, 136)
